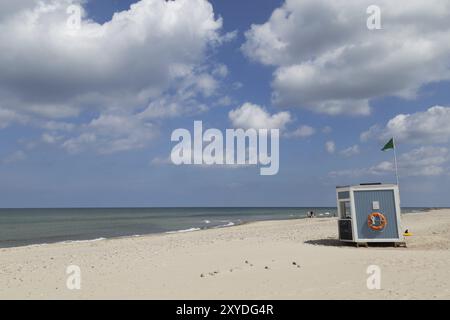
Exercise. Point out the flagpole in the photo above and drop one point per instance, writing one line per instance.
(395, 161)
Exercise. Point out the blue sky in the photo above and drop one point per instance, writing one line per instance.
(86, 119)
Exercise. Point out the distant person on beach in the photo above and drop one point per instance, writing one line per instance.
(311, 214)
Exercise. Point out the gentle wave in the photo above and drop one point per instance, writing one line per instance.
(81, 241)
(229, 224)
(185, 230)
(59, 242)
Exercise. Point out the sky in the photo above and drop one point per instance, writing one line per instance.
(87, 112)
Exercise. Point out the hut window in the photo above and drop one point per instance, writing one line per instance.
(346, 212)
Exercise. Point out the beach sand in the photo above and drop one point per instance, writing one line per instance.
(291, 259)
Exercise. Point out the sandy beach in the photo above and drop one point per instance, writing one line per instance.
(290, 259)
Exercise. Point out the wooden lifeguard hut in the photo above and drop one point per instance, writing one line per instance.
(369, 213)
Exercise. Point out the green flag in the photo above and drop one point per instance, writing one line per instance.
(389, 145)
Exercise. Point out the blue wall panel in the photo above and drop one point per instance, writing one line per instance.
(363, 207)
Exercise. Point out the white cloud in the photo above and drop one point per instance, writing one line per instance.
(161, 161)
(172, 106)
(330, 147)
(221, 70)
(237, 85)
(130, 58)
(253, 116)
(423, 161)
(381, 168)
(224, 101)
(50, 138)
(329, 62)
(151, 54)
(57, 126)
(350, 151)
(8, 117)
(112, 133)
(301, 132)
(430, 126)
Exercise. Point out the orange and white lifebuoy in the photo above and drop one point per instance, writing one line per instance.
(371, 221)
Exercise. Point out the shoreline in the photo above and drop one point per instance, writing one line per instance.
(277, 259)
(40, 226)
(157, 234)
(192, 229)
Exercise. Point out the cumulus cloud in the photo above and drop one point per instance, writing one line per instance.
(430, 126)
(253, 116)
(161, 161)
(111, 133)
(57, 126)
(328, 61)
(350, 151)
(380, 169)
(10, 116)
(423, 161)
(143, 57)
(221, 70)
(50, 138)
(129, 58)
(330, 147)
(301, 132)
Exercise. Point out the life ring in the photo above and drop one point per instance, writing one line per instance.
(371, 221)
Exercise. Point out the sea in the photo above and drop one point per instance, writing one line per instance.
(22, 227)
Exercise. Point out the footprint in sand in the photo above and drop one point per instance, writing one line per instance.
(212, 274)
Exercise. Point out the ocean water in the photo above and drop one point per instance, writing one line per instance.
(20, 227)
